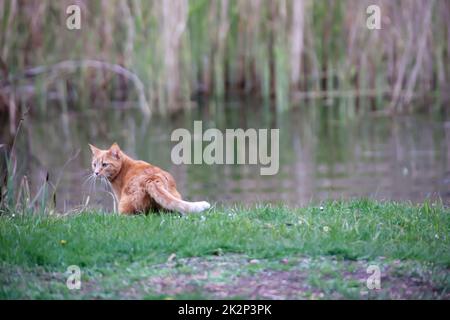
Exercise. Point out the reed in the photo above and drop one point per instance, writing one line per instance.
(280, 51)
(16, 195)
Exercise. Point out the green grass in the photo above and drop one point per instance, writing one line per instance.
(116, 251)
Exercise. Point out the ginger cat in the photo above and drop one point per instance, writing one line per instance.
(138, 185)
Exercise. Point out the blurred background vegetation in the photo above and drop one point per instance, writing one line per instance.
(173, 52)
(312, 68)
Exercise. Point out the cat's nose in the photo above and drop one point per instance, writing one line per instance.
(96, 173)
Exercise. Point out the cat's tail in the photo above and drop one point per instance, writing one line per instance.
(168, 201)
(198, 206)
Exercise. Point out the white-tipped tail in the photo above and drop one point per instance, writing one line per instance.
(199, 206)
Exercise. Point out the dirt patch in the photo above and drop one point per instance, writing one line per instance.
(304, 278)
(237, 276)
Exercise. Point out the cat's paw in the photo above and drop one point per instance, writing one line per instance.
(201, 206)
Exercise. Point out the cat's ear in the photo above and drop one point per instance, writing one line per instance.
(115, 150)
(95, 150)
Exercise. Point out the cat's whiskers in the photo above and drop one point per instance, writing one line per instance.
(87, 174)
(103, 182)
(87, 179)
(93, 184)
(92, 179)
(88, 182)
(109, 184)
(110, 191)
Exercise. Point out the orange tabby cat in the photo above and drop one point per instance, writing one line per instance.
(139, 186)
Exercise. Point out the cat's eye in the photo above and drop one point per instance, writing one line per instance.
(104, 164)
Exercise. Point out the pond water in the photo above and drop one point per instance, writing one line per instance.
(323, 155)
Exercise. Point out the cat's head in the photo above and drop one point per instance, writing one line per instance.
(106, 163)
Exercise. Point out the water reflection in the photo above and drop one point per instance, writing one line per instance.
(321, 155)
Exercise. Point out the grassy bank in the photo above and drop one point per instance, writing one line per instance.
(269, 252)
